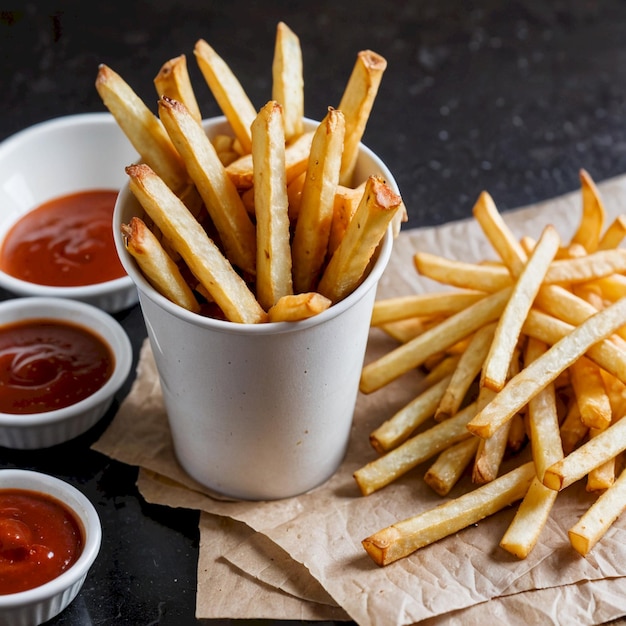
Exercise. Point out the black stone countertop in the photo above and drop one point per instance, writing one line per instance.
(509, 97)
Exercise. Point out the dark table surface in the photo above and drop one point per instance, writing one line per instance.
(509, 97)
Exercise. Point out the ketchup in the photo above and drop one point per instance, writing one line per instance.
(50, 364)
(65, 242)
(39, 539)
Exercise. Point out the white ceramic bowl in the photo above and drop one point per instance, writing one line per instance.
(38, 605)
(42, 430)
(58, 157)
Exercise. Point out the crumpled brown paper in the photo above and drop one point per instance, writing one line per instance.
(301, 558)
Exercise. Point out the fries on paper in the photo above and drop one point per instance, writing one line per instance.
(522, 350)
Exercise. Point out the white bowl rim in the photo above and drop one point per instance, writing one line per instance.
(88, 517)
(59, 308)
(147, 290)
(73, 119)
(16, 285)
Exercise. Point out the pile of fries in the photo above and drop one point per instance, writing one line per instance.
(264, 222)
(525, 357)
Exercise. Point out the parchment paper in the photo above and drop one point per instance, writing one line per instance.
(464, 577)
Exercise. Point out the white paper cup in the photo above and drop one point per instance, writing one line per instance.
(259, 411)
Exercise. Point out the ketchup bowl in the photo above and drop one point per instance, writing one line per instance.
(61, 363)
(70, 535)
(44, 169)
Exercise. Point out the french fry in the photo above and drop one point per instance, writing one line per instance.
(294, 195)
(441, 370)
(346, 203)
(367, 228)
(449, 466)
(172, 81)
(287, 80)
(532, 514)
(591, 224)
(590, 392)
(414, 353)
(143, 129)
(273, 246)
(546, 368)
(399, 427)
(599, 517)
(225, 148)
(499, 234)
(419, 448)
(468, 368)
(157, 265)
(405, 537)
(563, 304)
(572, 430)
(405, 330)
(603, 476)
(356, 104)
(422, 304)
(202, 256)
(227, 91)
(480, 277)
(598, 264)
(611, 287)
(616, 391)
(236, 230)
(301, 306)
(509, 326)
(241, 171)
(614, 234)
(517, 433)
(591, 454)
(605, 353)
(569, 306)
(543, 421)
(490, 449)
(315, 215)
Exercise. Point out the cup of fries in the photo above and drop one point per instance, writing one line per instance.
(259, 409)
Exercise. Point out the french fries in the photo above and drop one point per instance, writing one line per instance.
(356, 103)
(589, 230)
(423, 304)
(403, 538)
(228, 92)
(172, 81)
(287, 80)
(271, 204)
(190, 240)
(561, 306)
(414, 353)
(523, 533)
(144, 129)
(268, 210)
(350, 260)
(293, 308)
(594, 523)
(316, 207)
(234, 226)
(423, 446)
(546, 368)
(157, 265)
(597, 450)
(509, 327)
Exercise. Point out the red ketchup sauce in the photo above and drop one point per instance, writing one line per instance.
(50, 364)
(39, 539)
(65, 242)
